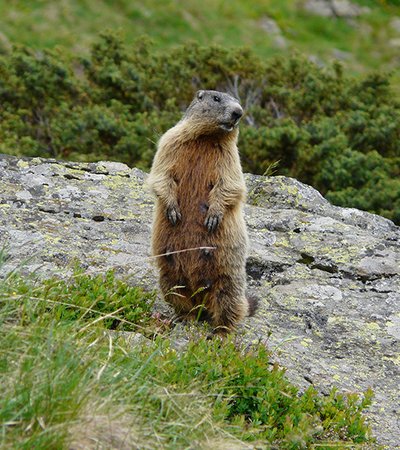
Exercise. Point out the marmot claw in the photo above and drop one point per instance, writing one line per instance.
(212, 222)
(174, 215)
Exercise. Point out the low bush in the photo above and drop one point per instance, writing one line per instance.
(337, 133)
(81, 300)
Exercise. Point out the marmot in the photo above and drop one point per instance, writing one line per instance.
(198, 182)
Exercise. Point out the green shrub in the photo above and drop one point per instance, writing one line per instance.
(254, 398)
(83, 299)
(115, 103)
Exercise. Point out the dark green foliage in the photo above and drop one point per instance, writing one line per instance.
(250, 394)
(83, 299)
(339, 134)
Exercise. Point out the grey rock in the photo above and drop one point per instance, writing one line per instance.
(341, 55)
(345, 8)
(5, 44)
(67, 213)
(130, 339)
(394, 43)
(334, 8)
(279, 41)
(328, 278)
(318, 7)
(271, 27)
(395, 24)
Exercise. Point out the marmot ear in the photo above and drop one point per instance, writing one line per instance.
(199, 94)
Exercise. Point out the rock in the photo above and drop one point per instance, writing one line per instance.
(395, 24)
(334, 8)
(344, 8)
(328, 277)
(271, 27)
(279, 41)
(341, 54)
(5, 44)
(394, 43)
(75, 212)
(131, 340)
(319, 8)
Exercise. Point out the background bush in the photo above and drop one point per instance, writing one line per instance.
(339, 134)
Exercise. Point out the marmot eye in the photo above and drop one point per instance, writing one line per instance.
(216, 98)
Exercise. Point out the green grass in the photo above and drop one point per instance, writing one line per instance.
(70, 376)
(75, 24)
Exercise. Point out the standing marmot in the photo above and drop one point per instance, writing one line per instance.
(198, 181)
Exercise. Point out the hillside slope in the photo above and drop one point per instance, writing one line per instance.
(364, 35)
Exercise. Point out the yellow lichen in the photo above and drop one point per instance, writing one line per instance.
(373, 326)
(22, 164)
(394, 359)
(306, 342)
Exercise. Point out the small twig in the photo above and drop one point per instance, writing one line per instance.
(180, 251)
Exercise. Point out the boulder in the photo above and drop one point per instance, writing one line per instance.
(328, 278)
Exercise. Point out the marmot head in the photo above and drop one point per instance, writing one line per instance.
(212, 111)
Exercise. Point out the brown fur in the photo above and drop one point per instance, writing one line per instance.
(198, 181)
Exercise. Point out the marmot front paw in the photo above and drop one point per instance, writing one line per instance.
(174, 215)
(212, 221)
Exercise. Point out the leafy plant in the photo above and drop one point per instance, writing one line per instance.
(83, 299)
(337, 133)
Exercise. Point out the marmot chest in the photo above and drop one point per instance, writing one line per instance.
(196, 172)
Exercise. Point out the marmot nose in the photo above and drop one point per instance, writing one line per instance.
(237, 114)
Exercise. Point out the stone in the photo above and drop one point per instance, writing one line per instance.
(394, 43)
(279, 41)
(395, 24)
(328, 278)
(341, 54)
(271, 27)
(5, 44)
(318, 7)
(335, 8)
(345, 8)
